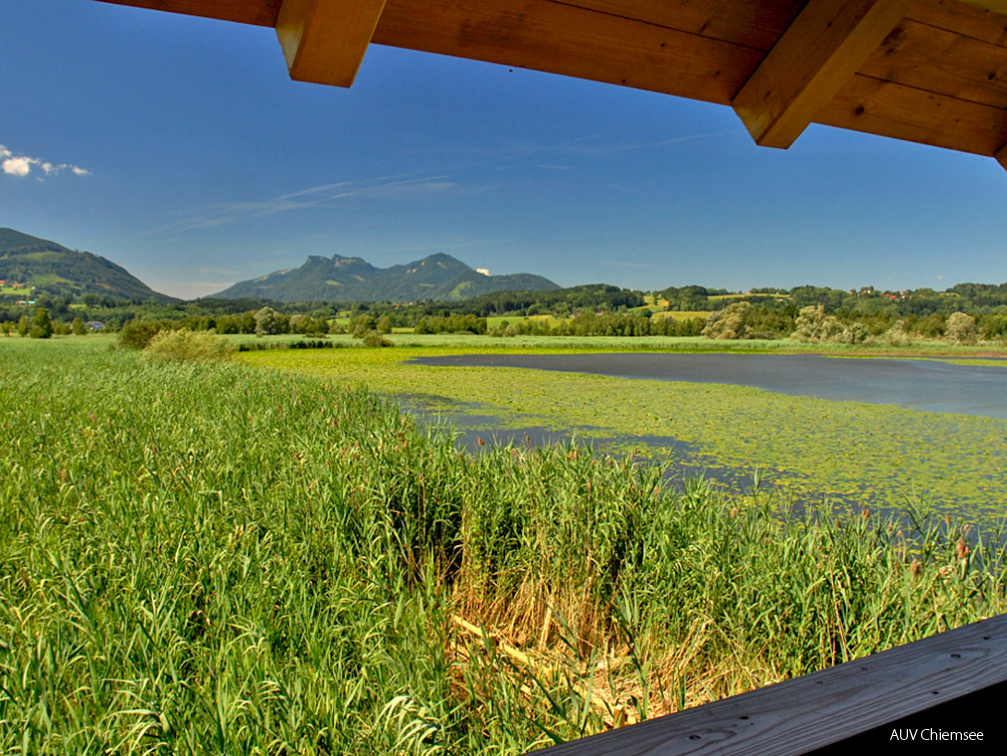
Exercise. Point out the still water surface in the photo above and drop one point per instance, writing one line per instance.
(917, 384)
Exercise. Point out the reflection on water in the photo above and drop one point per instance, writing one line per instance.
(917, 384)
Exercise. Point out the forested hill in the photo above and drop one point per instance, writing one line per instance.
(352, 279)
(59, 271)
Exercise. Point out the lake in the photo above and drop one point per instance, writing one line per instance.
(928, 385)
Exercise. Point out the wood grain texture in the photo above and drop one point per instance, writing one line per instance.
(996, 6)
(324, 41)
(881, 107)
(922, 56)
(957, 17)
(1001, 156)
(810, 712)
(755, 24)
(566, 39)
(819, 52)
(257, 12)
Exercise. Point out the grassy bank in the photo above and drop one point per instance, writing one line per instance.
(205, 558)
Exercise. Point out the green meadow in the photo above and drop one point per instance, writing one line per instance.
(214, 557)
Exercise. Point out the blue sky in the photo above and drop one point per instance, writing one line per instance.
(179, 148)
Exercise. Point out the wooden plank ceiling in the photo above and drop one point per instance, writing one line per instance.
(928, 71)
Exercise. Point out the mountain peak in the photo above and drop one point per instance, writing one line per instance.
(441, 257)
(347, 279)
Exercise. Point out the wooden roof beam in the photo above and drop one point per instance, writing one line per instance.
(996, 6)
(1001, 156)
(324, 41)
(816, 56)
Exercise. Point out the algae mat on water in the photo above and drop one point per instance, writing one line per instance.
(876, 455)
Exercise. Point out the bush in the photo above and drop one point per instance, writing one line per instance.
(136, 334)
(898, 335)
(730, 323)
(183, 345)
(814, 326)
(375, 339)
(41, 324)
(960, 328)
(269, 322)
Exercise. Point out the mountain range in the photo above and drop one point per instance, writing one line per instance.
(352, 279)
(60, 271)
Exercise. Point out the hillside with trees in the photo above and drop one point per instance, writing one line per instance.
(58, 271)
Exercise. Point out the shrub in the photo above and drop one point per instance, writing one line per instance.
(269, 322)
(897, 335)
(960, 328)
(41, 324)
(136, 334)
(730, 323)
(814, 326)
(183, 345)
(362, 325)
(375, 339)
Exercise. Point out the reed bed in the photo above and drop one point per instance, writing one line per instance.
(209, 558)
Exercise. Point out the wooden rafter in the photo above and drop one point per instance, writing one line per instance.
(996, 6)
(817, 55)
(324, 41)
(1001, 156)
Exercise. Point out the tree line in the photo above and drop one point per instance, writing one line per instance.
(807, 313)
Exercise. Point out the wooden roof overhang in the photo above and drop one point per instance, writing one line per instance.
(926, 71)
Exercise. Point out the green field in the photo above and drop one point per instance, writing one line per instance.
(216, 558)
(682, 314)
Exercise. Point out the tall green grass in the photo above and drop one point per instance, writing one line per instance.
(210, 558)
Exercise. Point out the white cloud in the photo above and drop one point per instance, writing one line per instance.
(17, 166)
(22, 165)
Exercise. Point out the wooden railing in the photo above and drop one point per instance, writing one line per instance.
(929, 690)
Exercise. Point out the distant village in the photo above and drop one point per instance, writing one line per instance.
(16, 288)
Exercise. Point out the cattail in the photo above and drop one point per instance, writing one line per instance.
(962, 549)
(865, 513)
(916, 567)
